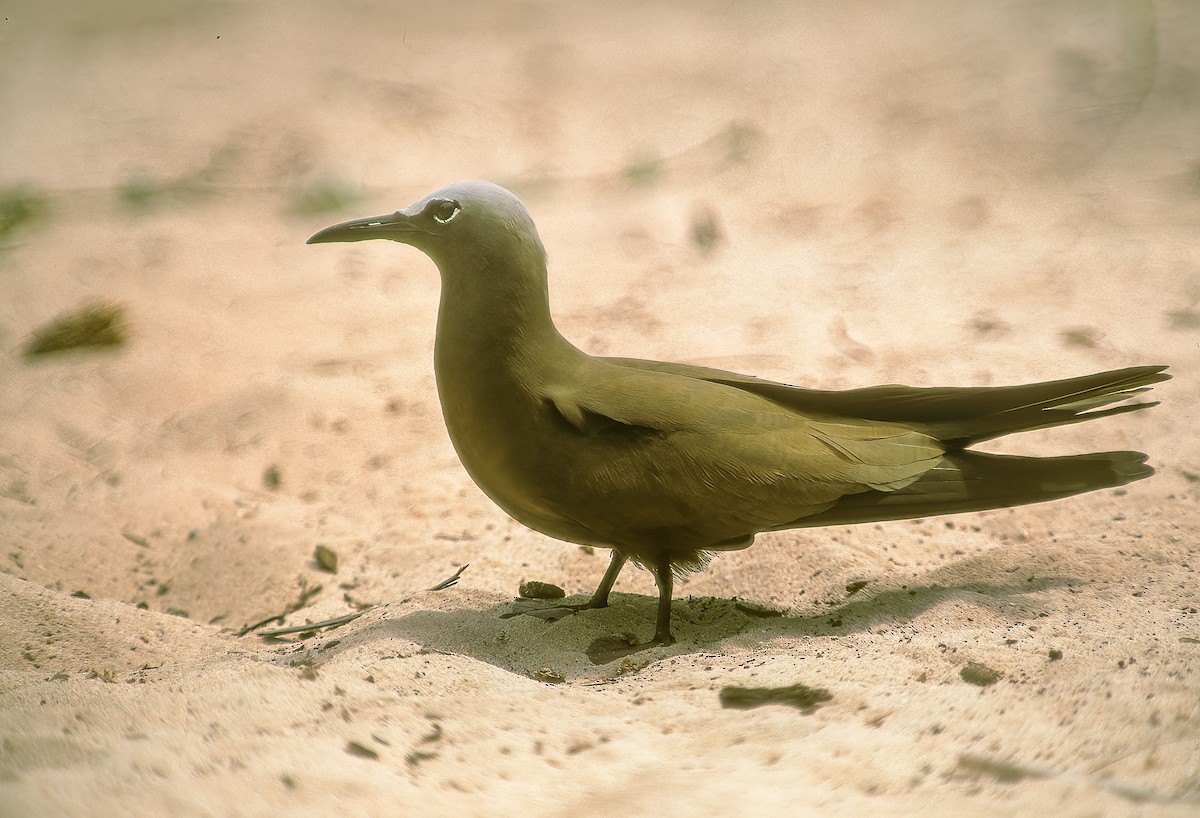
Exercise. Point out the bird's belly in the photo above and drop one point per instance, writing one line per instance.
(572, 488)
(637, 490)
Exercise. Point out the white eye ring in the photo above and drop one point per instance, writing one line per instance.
(454, 211)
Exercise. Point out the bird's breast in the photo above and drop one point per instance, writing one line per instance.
(507, 439)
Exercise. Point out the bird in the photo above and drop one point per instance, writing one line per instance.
(666, 463)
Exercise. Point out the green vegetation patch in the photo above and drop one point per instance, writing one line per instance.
(91, 326)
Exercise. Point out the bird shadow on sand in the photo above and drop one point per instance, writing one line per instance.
(601, 643)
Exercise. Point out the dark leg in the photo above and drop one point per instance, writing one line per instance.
(600, 597)
(665, 581)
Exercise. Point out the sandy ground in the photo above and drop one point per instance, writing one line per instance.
(833, 194)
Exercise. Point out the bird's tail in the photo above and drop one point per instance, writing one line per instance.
(975, 481)
(961, 416)
(1006, 409)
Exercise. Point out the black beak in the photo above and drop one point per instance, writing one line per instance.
(395, 226)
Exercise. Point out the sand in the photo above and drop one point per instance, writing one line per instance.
(832, 194)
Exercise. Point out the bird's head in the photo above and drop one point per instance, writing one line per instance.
(465, 226)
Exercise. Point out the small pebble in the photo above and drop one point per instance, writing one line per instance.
(540, 590)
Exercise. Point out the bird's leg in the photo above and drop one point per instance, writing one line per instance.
(665, 580)
(600, 596)
(607, 648)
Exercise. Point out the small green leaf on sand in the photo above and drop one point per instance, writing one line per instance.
(326, 559)
(361, 750)
(94, 325)
(977, 674)
(806, 699)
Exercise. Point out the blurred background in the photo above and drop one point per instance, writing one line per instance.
(836, 194)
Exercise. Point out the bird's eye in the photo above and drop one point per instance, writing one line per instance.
(443, 212)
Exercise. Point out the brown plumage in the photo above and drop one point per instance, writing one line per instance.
(663, 462)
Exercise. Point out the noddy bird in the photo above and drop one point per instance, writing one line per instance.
(665, 463)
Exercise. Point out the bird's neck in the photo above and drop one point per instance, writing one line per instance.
(498, 321)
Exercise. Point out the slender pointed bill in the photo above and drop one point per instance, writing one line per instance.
(394, 226)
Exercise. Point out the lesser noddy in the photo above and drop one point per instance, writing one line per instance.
(665, 463)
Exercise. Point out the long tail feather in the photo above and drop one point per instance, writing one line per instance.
(975, 481)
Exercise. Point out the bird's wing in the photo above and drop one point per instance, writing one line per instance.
(959, 416)
(713, 429)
